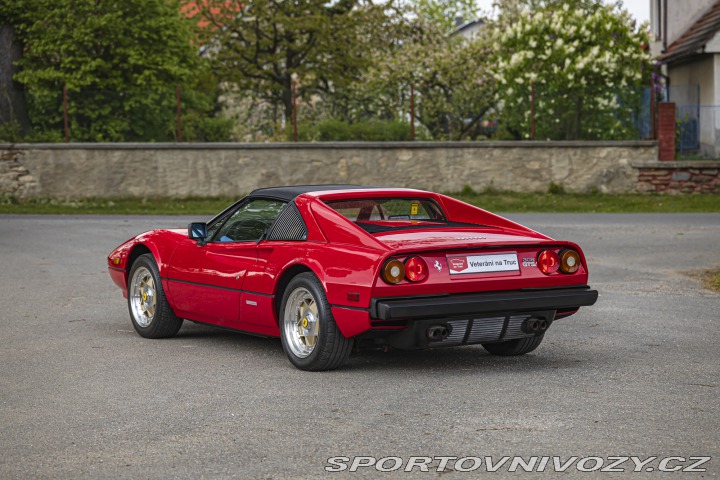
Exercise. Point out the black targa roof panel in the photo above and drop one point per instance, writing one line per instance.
(290, 192)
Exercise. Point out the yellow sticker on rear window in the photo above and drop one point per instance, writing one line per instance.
(414, 208)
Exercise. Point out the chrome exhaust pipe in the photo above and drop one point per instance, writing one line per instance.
(438, 332)
(532, 325)
(535, 326)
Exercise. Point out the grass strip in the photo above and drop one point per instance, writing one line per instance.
(505, 202)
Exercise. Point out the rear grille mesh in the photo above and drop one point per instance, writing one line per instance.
(457, 334)
(488, 329)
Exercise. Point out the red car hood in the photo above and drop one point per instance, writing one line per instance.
(454, 239)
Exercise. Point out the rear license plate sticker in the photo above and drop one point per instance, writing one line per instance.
(503, 262)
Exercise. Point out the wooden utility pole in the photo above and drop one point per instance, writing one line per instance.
(65, 114)
(532, 111)
(412, 112)
(178, 113)
(293, 90)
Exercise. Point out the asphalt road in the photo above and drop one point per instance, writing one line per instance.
(83, 396)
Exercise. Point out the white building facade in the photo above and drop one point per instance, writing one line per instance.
(686, 40)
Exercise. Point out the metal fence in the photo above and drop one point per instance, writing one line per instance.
(157, 115)
(687, 122)
(698, 131)
(697, 125)
(180, 114)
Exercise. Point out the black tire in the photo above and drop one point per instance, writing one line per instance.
(330, 349)
(160, 321)
(512, 348)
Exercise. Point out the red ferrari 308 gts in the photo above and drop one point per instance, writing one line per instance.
(331, 267)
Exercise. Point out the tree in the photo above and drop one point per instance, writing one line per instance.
(12, 108)
(446, 12)
(120, 62)
(587, 62)
(261, 49)
(453, 86)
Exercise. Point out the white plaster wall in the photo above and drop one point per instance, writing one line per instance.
(682, 14)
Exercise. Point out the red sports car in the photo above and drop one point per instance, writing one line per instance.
(329, 268)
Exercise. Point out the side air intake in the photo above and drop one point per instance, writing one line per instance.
(289, 225)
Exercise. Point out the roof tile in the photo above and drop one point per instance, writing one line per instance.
(694, 39)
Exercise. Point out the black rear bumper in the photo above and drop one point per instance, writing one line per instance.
(457, 305)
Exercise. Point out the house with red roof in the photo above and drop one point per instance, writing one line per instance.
(210, 13)
(687, 44)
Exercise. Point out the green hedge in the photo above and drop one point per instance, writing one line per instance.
(332, 130)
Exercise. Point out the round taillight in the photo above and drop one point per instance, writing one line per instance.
(569, 261)
(416, 269)
(548, 261)
(393, 271)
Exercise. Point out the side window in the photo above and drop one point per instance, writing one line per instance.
(249, 222)
(213, 229)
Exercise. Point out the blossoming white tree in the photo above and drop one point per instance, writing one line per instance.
(587, 62)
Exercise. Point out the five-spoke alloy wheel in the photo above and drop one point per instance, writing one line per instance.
(142, 296)
(150, 312)
(310, 336)
(301, 322)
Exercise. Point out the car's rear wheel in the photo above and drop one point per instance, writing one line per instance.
(511, 348)
(150, 312)
(309, 334)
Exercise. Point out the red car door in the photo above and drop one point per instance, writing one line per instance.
(206, 281)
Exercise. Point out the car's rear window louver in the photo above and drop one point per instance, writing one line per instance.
(389, 227)
(289, 225)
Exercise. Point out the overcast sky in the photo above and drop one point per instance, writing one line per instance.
(639, 8)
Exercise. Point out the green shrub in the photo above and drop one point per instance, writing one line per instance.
(197, 127)
(10, 132)
(333, 130)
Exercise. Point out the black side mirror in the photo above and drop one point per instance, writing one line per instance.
(198, 231)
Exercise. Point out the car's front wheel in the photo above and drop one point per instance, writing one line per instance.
(309, 334)
(511, 348)
(150, 312)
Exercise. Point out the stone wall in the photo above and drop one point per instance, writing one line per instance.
(678, 177)
(15, 178)
(146, 170)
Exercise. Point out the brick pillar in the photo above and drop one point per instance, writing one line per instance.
(666, 131)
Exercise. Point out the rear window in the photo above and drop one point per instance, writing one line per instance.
(388, 209)
(376, 215)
